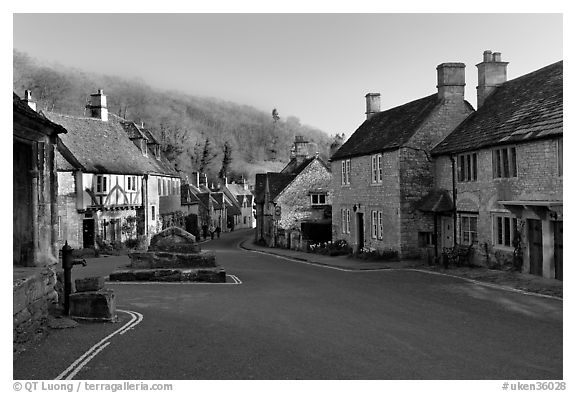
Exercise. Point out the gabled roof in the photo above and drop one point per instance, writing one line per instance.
(149, 136)
(388, 130)
(101, 146)
(522, 109)
(273, 182)
(22, 108)
(105, 147)
(436, 201)
(132, 130)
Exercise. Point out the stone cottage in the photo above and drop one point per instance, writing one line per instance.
(505, 162)
(384, 169)
(294, 206)
(34, 215)
(113, 183)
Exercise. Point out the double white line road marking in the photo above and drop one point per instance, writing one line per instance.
(79, 363)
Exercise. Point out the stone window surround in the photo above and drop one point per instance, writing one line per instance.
(504, 162)
(345, 172)
(463, 229)
(377, 229)
(345, 217)
(376, 169)
(499, 237)
(467, 167)
(319, 196)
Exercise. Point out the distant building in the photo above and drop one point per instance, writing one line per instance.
(294, 205)
(384, 168)
(507, 164)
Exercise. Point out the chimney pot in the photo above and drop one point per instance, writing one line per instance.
(28, 100)
(497, 56)
(372, 104)
(488, 56)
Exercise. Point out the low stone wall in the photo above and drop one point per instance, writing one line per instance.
(33, 292)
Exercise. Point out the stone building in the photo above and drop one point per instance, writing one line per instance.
(507, 164)
(384, 169)
(114, 183)
(294, 206)
(34, 228)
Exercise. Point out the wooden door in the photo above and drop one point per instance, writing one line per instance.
(558, 250)
(88, 232)
(535, 246)
(22, 224)
(447, 232)
(360, 230)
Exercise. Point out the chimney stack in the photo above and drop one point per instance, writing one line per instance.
(372, 104)
(196, 179)
(28, 100)
(491, 74)
(97, 106)
(451, 81)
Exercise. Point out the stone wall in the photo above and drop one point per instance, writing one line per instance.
(407, 177)
(538, 179)
(295, 200)
(33, 292)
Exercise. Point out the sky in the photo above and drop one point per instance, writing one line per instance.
(317, 67)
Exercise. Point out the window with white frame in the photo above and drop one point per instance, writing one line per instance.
(377, 168)
(468, 229)
(504, 229)
(153, 212)
(347, 220)
(345, 170)
(318, 199)
(345, 214)
(380, 226)
(374, 224)
(160, 187)
(101, 184)
(504, 163)
(131, 183)
(467, 167)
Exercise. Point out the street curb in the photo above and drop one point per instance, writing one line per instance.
(486, 284)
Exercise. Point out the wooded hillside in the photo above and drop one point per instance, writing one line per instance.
(194, 131)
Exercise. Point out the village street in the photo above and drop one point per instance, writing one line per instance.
(289, 320)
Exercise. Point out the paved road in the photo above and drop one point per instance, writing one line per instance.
(289, 320)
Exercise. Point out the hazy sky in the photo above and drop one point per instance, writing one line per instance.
(317, 67)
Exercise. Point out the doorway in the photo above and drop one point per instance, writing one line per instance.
(88, 233)
(558, 252)
(535, 246)
(22, 217)
(359, 231)
(446, 240)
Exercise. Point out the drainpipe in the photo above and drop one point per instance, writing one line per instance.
(145, 203)
(454, 195)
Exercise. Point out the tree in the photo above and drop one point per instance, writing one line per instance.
(226, 161)
(207, 157)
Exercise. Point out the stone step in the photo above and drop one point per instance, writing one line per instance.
(95, 306)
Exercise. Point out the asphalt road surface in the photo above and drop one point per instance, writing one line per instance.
(289, 320)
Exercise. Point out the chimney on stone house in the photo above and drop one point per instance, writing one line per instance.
(203, 180)
(451, 81)
(491, 74)
(372, 104)
(98, 107)
(196, 179)
(28, 100)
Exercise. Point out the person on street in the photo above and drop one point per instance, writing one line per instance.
(211, 230)
(218, 230)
